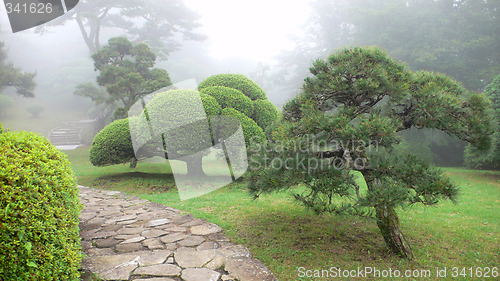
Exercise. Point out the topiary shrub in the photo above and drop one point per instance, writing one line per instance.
(236, 81)
(39, 211)
(230, 98)
(112, 145)
(251, 131)
(264, 113)
(212, 107)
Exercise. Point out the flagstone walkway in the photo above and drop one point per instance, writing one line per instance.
(128, 238)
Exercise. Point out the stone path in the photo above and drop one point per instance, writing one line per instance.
(128, 238)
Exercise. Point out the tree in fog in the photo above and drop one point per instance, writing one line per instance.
(459, 38)
(11, 76)
(475, 158)
(126, 72)
(160, 24)
(347, 118)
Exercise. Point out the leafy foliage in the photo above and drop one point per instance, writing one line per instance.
(489, 159)
(348, 118)
(10, 76)
(458, 38)
(112, 145)
(253, 103)
(236, 81)
(230, 98)
(264, 113)
(39, 210)
(127, 73)
(216, 100)
(251, 131)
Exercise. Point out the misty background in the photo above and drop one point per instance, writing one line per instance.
(272, 42)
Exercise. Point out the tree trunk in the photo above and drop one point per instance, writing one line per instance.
(194, 167)
(133, 164)
(388, 223)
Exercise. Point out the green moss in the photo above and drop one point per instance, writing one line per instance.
(39, 211)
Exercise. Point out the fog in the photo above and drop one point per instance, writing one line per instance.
(272, 42)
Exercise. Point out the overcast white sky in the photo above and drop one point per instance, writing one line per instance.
(256, 29)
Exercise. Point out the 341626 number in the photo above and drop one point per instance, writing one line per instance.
(29, 8)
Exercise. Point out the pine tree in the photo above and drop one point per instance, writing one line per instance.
(346, 122)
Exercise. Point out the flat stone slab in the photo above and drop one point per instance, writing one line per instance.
(155, 257)
(118, 273)
(200, 274)
(205, 229)
(159, 270)
(173, 237)
(128, 238)
(153, 233)
(191, 241)
(104, 263)
(157, 222)
(134, 240)
(155, 279)
(190, 257)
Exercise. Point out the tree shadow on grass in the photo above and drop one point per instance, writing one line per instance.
(137, 181)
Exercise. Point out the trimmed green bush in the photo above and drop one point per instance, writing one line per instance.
(177, 111)
(251, 131)
(112, 145)
(212, 107)
(230, 98)
(265, 113)
(39, 210)
(236, 81)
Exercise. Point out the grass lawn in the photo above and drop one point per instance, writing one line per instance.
(290, 239)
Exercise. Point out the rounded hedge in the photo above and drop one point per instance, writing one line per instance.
(236, 81)
(176, 114)
(112, 145)
(265, 113)
(212, 107)
(230, 98)
(39, 211)
(251, 131)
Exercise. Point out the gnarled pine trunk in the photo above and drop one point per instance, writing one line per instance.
(388, 223)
